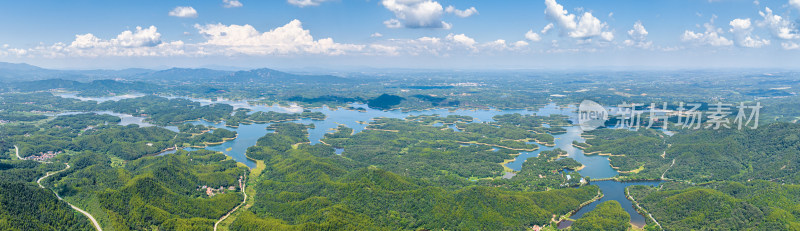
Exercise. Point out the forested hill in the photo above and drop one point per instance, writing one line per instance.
(24, 206)
(92, 88)
(183, 74)
(755, 205)
(265, 75)
(262, 75)
(10, 72)
(608, 216)
(771, 152)
(165, 192)
(308, 187)
(15, 72)
(729, 179)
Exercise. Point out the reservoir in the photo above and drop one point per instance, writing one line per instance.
(613, 190)
(596, 167)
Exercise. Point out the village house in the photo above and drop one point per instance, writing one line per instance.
(43, 156)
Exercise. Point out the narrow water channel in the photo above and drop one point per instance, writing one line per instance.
(596, 167)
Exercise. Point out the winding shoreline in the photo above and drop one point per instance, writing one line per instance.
(565, 217)
(639, 208)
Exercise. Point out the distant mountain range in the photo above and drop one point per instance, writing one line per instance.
(21, 72)
(182, 74)
(263, 74)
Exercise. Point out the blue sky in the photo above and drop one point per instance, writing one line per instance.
(438, 34)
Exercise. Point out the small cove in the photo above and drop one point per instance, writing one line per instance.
(596, 167)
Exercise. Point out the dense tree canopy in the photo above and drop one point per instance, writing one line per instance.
(756, 205)
(309, 187)
(164, 191)
(608, 216)
(24, 206)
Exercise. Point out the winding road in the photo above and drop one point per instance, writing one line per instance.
(17, 150)
(39, 181)
(665, 171)
(242, 185)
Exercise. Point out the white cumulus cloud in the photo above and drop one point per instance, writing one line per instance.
(502, 45)
(499, 44)
(795, 3)
(533, 36)
(520, 44)
(461, 13)
(393, 23)
(231, 3)
(415, 14)
(742, 32)
(712, 36)
(304, 3)
(452, 44)
(790, 46)
(380, 49)
(779, 26)
(709, 37)
(142, 42)
(637, 37)
(584, 27)
(288, 39)
(461, 39)
(183, 12)
(547, 28)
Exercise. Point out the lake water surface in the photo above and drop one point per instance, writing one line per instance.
(596, 167)
(613, 190)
